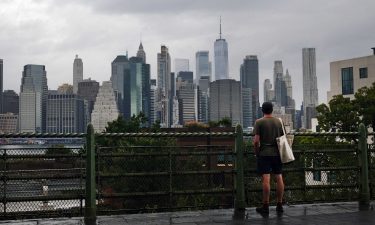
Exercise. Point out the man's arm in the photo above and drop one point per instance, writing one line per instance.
(256, 142)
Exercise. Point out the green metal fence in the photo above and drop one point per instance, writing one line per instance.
(41, 181)
(164, 172)
(154, 172)
(320, 173)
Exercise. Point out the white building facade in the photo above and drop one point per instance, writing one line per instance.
(105, 107)
(349, 75)
(310, 88)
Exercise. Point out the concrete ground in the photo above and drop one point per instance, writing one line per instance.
(337, 213)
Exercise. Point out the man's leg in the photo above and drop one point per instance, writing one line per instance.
(266, 188)
(279, 187)
(279, 192)
(264, 209)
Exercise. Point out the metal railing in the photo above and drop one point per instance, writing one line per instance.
(153, 172)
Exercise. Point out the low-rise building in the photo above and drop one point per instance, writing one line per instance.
(349, 75)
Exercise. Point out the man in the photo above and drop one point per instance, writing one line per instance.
(266, 130)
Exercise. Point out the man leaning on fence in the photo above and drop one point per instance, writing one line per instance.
(266, 130)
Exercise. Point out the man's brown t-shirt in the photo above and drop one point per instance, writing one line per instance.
(268, 128)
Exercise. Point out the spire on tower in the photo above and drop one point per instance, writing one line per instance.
(220, 28)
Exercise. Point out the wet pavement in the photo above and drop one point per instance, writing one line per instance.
(329, 213)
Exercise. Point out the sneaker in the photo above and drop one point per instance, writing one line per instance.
(263, 209)
(279, 207)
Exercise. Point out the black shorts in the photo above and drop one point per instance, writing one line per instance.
(269, 164)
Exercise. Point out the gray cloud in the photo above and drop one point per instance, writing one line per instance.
(171, 6)
(51, 32)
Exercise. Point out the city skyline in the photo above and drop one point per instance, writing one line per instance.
(51, 33)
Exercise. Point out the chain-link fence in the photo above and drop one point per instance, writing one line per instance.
(154, 174)
(41, 180)
(322, 172)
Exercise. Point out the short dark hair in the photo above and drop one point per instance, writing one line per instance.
(267, 108)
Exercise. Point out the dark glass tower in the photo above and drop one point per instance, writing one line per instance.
(131, 83)
(250, 89)
(10, 102)
(88, 89)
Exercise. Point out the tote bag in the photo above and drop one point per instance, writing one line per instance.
(285, 150)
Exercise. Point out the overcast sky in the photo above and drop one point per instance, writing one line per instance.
(52, 32)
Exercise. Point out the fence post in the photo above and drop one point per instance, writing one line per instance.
(364, 198)
(90, 200)
(239, 185)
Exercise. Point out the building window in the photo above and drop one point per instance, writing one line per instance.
(363, 72)
(347, 80)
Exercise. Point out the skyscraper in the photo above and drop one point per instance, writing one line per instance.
(289, 91)
(310, 88)
(28, 106)
(10, 102)
(250, 84)
(202, 65)
(141, 53)
(1, 86)
(164, 100)
(105, 107)
(185, 92)
(221, 58)
(181, 65)
(280, 89)
(65, 112)
(284, 104)
(152, 100)
(119, 67)
(203, 99)
(225, 100)
(131, 83)
(138, 90)
(77, 73)
(33, 99)
(268, 93)
(88, 89)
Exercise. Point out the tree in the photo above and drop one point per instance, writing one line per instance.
(365, 103)
(341, 115)
(224, 122)
(134, 124)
